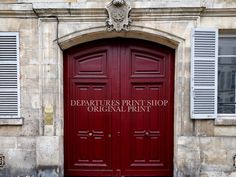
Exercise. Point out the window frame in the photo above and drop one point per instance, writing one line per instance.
(222, 115)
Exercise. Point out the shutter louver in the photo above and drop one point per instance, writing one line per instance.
(9, 76)
(204, 54)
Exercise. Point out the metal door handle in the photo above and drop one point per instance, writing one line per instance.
(109, 135)
(146, 133)
(90, 134)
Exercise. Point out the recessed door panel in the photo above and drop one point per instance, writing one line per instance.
(93, 148)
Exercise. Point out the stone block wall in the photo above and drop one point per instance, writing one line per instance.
(203, 148)
(205, 156)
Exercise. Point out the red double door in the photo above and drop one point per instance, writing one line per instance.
(135, 140)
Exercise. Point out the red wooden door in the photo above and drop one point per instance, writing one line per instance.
(119, 143)
(147, 137)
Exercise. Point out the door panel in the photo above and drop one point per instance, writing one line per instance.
(147, 136)
(138, 142)
(88, 145)
(93, 148)
(145, 64)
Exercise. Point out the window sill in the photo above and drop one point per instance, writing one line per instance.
(225, 121)
(12, 121)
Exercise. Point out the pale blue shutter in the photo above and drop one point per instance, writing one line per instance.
(9, 75)
(204, 64)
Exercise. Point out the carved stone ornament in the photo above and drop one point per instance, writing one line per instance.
(118, 15)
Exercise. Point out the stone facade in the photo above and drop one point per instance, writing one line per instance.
(202, 148)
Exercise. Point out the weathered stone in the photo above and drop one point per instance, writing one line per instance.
(48, 130)
(224, 131)
(213, 174)
(47, 151)
(29, 128)
(19, 163)
(232, 174)
(204, 127)
(31, 101)
(30, 71)
(50, 71)
(26, 142)
(188, 150)
(48, 172)
(8, 143)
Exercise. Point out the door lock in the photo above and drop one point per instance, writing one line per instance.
(109, 135)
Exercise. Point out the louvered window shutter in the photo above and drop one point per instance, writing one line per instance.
(204, 70)
(9, 75)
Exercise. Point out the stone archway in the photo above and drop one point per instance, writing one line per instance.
(137, 32)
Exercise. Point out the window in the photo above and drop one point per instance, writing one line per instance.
(227, 75)
(213, 75)
(9, 75)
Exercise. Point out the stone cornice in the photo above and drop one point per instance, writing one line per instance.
(68, 11)
(16, 10)
(220, 12)
(136, 12)
(143, 14)
(150, 14)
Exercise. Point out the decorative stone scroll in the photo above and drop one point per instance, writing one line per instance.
(118, 15)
